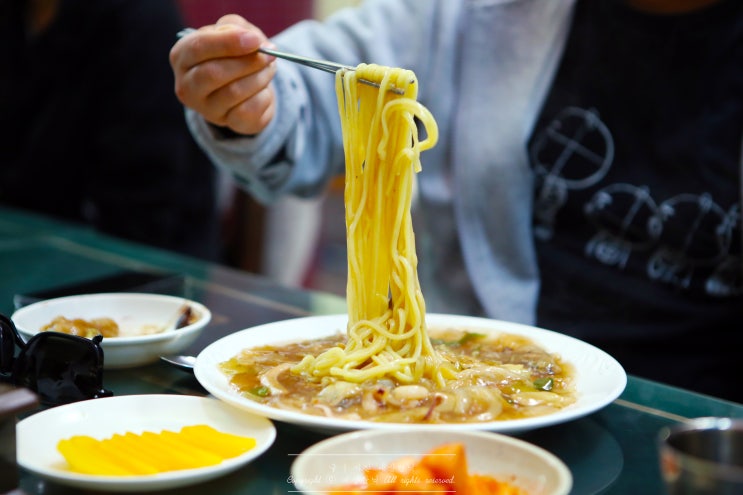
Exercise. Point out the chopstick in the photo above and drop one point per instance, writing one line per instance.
(323, 65)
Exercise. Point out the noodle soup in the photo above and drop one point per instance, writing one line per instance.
(388, 367)
(499, 377)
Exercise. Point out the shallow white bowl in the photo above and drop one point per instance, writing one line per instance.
(39, 434)
(599, 378)
(131, 311)
(341, 459)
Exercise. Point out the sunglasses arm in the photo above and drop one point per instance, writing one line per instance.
(10, 339)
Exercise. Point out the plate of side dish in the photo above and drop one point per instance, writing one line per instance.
(428, 461)
(137, 328)
(531, 377)
(110, 443)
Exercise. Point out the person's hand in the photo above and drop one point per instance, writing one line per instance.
(220, 74)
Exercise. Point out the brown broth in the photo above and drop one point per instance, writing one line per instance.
(503, 377)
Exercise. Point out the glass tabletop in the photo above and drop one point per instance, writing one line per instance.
(611, 451)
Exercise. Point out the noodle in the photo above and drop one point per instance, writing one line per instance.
(386, 367)
(386, 311)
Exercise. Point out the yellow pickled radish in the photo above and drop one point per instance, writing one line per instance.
(129, 445)
(85, 455)
(204, 451)
(180, 451)
(224, 444)
(151, 453)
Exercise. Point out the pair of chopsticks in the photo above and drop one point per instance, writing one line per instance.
(322, 65)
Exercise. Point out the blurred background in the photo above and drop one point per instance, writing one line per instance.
(106, 144)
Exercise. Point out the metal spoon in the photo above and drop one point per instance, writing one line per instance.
(185, 363)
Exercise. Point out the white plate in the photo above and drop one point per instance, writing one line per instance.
(341, 459)
(37, 436)
(599, 377)
(132, 312)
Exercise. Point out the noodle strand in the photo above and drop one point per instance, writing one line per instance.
(387, 333)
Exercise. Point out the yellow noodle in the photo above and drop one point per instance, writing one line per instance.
(387, 333)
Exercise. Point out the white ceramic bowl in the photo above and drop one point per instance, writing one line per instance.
(131, 311)
(341, 459)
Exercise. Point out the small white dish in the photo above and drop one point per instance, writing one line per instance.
(341, 459)
(599, 378)
(131, 311)
(37, 437)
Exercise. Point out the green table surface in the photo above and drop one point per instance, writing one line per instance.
(611, 451)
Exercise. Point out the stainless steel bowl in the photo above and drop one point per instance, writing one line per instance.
(703, 456)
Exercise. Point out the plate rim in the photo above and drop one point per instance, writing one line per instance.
(265, 435)
(572, 412)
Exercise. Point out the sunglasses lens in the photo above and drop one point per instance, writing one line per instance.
(61, 368)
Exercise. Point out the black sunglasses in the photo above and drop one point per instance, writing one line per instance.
(58, 367)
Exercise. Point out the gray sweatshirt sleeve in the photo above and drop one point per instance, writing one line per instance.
(301, 149)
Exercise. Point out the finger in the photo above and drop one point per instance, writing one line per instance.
(240, 93)
(254, 114)
(234, 20)
(214, 42)
(208, 77)
(241, 88)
